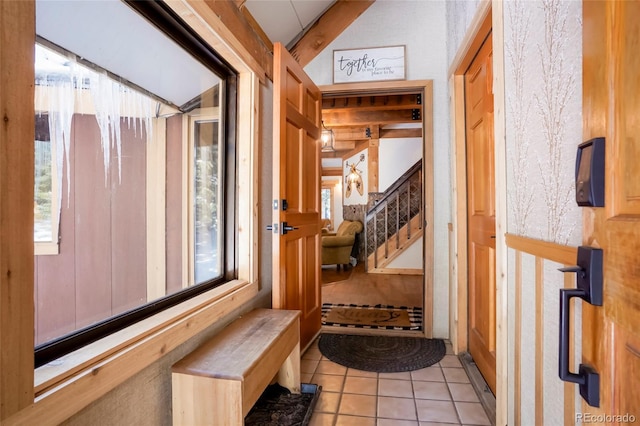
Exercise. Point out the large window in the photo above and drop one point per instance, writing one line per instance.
(135, 169)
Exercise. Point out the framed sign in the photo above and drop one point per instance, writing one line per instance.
(374, 64)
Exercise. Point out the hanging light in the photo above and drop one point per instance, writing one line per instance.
(328, 139)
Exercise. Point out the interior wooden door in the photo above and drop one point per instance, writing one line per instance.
(611, 108)
(481, 213)
(296, 189)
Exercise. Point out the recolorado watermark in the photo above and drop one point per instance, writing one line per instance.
(605, 418)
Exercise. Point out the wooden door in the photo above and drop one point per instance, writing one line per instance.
(296, 189)
(611, 108)
(481, 213)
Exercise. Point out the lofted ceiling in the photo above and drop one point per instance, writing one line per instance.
(286, 20)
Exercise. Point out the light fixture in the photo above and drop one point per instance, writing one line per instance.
(328, 139)
(354, 177)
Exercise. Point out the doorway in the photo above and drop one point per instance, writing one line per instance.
(477, 198)
(362, 116)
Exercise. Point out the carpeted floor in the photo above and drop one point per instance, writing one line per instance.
(381, 354)
(379, 317)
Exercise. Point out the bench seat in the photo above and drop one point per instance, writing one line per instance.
(219, 382)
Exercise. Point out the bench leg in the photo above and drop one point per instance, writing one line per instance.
(289, 374)
(206, 401)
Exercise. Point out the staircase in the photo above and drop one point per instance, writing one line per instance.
(395, 220)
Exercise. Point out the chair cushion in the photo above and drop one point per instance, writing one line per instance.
(348, 227)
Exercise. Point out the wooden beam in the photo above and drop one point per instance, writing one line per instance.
(400, 133)
(256, 27)
(373, 166)
(241, 29)
(332, 171)
(372, 102)
(327, 28)
(17, 133)
(359, 118)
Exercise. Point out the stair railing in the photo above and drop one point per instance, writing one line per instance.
(395, 208)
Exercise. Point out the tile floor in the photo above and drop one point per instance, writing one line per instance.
(440, 394)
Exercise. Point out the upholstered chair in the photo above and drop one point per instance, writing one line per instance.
(336, 248)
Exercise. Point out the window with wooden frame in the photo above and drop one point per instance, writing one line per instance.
(328, 201)
(45, 189)
(143, 121)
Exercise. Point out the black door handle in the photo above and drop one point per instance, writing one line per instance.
(587, 378)
(589, 288)
(286, 228)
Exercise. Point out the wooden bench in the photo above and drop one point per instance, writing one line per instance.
(219, 382)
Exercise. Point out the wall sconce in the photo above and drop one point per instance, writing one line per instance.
(328, 139)
(354, 178)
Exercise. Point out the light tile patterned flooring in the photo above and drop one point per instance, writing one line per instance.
(440, 394)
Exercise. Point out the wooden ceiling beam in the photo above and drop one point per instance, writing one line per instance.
(364, 118)
(235, 20)
(332, 171)
(401, 133)
(256, 27)
(373, 103)
(327, 28)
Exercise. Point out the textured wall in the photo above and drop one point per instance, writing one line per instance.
(459, 16)
(421, 27)
(543, 77)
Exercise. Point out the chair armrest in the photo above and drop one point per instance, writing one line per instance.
(343, 241)
(327, 233)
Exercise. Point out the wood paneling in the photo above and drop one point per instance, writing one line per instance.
(517, 353)
(542, 252)
(174, 198)
(128, 223)
(55, 279)
(92, 226)
(101, 268)
(17, 38)
(539, 346)
(329, 26)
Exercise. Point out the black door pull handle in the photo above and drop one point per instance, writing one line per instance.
(588, 288)
(587, 377)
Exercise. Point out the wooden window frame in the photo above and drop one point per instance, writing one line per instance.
(73, 382)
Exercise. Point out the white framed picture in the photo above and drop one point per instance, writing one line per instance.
(371, 64)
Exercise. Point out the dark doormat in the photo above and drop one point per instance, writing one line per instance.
(381, 354)
(277, 406)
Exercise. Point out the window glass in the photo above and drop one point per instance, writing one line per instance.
(43, 208)
(207, 214)
(326, 203)
(132, 170)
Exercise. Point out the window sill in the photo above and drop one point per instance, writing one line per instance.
(67, 385)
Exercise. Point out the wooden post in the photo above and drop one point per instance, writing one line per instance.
(373, 168)
(17, 38)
